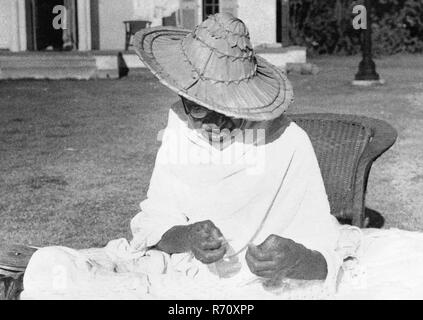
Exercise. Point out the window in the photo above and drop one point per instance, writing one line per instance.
(210, 7)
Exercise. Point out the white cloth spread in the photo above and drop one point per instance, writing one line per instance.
(246, 189)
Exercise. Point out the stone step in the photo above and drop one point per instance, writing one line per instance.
(57, 66)
(281, 57)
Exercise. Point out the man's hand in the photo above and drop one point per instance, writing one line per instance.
(281, 257)
(206, 242)
(203, 239)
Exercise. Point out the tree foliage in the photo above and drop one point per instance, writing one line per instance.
(325, 27)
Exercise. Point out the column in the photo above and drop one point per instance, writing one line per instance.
(84, 25)
(18, 26)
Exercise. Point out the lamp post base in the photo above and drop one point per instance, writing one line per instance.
(367, 70)
(368, 83)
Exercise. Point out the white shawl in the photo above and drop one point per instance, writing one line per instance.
(278, 181)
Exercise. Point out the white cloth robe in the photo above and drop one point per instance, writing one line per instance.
(263, 189)
(236, 196)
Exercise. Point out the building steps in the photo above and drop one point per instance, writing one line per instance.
(104, 64)
(53, 65)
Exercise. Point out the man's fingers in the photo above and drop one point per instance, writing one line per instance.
(259, 254)
(277, 280)
(266, 268)
(258, 265)
(274, 242)
(216, 234)
(207, 229)
(211, 244)
(210, 256)
(215, 255)
(266, 274)
(271, 243)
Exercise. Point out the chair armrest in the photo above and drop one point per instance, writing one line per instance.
(383, 137)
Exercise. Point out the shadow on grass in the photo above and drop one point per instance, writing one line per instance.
(372, 219)
(41, 181)
(122, 66)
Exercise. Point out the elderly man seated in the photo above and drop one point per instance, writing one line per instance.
(236, 206)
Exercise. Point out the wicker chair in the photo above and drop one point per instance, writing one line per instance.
(346, 147)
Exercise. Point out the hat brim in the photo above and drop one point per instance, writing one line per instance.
(265, 96)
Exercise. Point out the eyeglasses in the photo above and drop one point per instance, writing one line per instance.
(200, 113)
(196, 111)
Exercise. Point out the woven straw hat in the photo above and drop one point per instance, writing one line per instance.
(215, 66)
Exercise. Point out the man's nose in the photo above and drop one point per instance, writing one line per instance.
(217, 120)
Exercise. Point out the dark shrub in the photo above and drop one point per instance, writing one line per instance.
(325, 27)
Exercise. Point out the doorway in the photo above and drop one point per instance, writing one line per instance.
(41, 34)
(282, 22)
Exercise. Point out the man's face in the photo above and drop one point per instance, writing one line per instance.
(214, 126)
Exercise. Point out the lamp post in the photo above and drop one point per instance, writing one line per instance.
(367, 67)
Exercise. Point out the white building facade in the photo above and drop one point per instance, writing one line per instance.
(27, 25)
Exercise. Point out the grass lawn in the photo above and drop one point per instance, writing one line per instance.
(76, 156)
